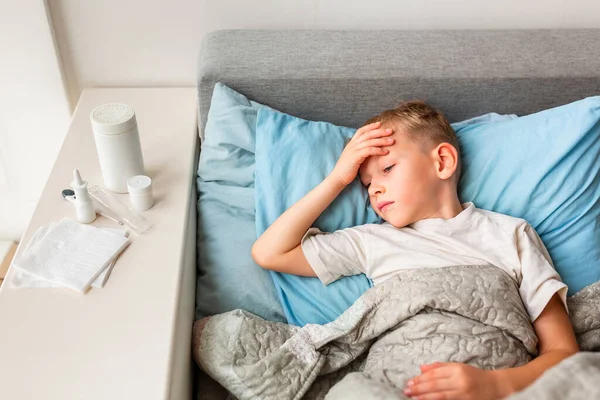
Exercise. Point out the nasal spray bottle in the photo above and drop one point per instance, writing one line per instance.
(84, 207)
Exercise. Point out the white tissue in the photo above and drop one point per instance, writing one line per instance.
(68, 254)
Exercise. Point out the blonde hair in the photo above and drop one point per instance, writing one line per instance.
(423, 124)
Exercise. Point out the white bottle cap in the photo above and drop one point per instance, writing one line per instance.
(113, 118)
(140, 192)
(139, 184)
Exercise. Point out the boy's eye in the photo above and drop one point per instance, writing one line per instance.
(387, 169)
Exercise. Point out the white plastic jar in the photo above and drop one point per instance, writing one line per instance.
(140, 192)
(118, 144)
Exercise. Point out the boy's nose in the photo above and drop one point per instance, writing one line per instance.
(376, 190)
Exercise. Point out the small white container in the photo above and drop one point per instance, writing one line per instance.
(140, 192)
(84, 206)
(118, 144)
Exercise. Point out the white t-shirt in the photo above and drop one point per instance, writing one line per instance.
(473, 237)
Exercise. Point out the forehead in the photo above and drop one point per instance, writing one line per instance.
(372, 163)
(402, 147)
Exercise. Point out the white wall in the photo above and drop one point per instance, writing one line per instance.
(34, 112)
(155, 43)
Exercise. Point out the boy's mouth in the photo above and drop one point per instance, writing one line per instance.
(383, 205)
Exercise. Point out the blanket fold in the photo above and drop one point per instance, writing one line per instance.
(470, 314)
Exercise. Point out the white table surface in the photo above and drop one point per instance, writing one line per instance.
(116, 342)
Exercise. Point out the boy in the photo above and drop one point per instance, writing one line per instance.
(408, 159)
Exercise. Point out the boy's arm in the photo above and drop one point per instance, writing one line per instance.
(556, 341)
(279, 247)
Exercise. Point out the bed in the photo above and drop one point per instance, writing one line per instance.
(345, 77)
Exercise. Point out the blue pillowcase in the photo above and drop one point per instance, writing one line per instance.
(292, 157)
(228, 278)
(545, 168)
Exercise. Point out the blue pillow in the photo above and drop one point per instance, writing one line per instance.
(292, 157)
(543, 167)
(228, 278)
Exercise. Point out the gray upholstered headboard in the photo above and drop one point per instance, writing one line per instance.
(345, 77)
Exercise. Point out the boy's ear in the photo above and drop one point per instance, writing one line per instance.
(446, 160)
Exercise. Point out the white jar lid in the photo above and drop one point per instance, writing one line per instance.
(112, 118)
(139, 184)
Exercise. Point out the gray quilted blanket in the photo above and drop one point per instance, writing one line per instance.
(468, 314)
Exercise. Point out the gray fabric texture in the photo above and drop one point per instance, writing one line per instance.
(345, 77)
(469, 314)
(576, 378)
(584, 312)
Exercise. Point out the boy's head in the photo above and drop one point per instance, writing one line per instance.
(420, 173)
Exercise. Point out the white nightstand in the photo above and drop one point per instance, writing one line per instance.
(131, 339)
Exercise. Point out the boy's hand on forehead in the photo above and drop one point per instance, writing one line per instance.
(369, 140)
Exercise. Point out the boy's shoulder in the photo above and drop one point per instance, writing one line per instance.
(362, 228)
(500, 218)
(370, 228)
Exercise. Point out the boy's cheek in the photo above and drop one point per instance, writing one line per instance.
(408, 200)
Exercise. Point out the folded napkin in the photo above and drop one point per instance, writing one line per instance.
(18, 278)
(68, 254)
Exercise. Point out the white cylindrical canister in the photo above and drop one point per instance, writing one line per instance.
(118, 144)
(140, 192)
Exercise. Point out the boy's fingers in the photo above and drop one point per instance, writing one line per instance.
(370, 151)
(366, 128)
(375, 133)
(379, 142)
(429, 367)
(436, 386)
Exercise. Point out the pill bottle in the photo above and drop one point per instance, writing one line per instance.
(117, 144)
